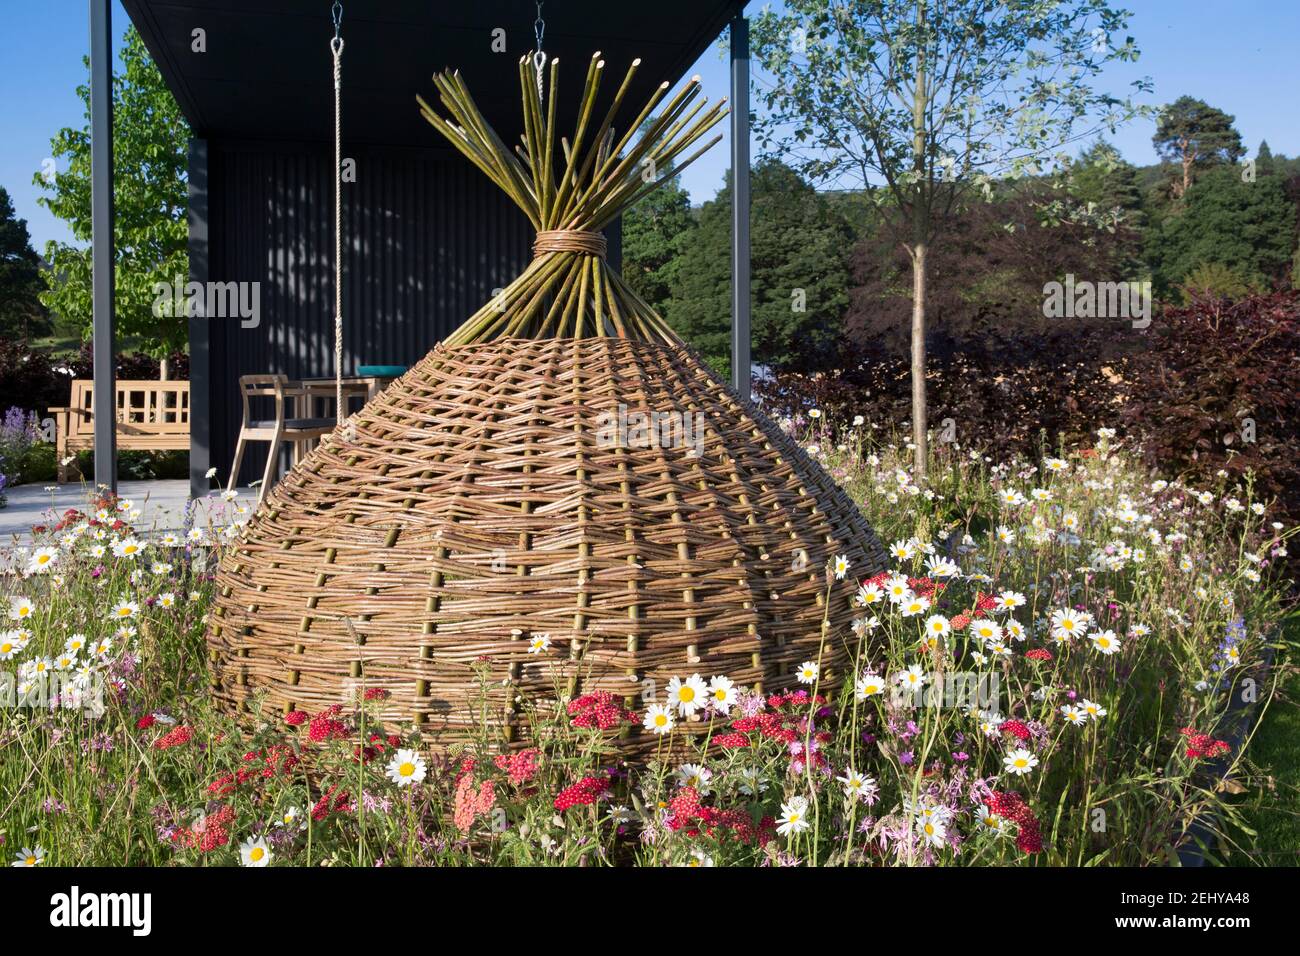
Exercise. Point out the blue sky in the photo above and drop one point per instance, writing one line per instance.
(1240, 57)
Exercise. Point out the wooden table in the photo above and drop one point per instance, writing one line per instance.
(306, 393)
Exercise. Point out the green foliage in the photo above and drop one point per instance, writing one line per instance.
(1246, 226)
(800, 278)
(1105, 180)
(657, 232)
(150, 138)
(21, 314)
(1216, 280)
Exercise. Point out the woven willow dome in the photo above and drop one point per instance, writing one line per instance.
(562, 466)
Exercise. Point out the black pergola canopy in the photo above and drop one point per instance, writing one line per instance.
(266, 70)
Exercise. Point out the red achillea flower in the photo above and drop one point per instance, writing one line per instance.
(175, 738)
(326, 725)
(1039, 654)
(586, 791)
(1203, 745)
(330, 803)
(599, 709)
(258, 765)
(520, 766)
(985, 602)
(375, 747)
(377, 693)
(1011, 806)
(1015, 728)
(295, 718)
(211, 832)
(145, 722)
(683, 808)
(731, 741)
(686, 813)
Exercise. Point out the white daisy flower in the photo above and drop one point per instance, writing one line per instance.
(688, 695)
(658, 719)
(1019, 762)
(254, 852)
(406, 767)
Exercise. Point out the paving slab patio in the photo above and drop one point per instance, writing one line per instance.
(162, 505)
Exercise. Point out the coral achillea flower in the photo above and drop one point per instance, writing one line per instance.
(470, 804)
(1201, 745)
(600, 710)
(960, 621)
(1039, 654)
(521, 766)
(583, 793)
(1011, 806)
(174, 738)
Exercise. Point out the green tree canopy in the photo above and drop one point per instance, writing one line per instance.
(1249, 227)
(799, 284)
(657, 231)
(1196, 136)
(21, 313)
(150, 142)
(930, 100)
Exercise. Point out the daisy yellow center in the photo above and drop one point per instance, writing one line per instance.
(406, 769)
(686, 694)
(6, 648)
(719, 694)
(1021, 761)
(24, 611)
(124, 612)
(661, 720)
(1104, 642)
(44, 558)
(256, 854)
(30, 861)
(929, 829)
(1068, 625)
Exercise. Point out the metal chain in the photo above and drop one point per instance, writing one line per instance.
(336, 47)
(539, 57)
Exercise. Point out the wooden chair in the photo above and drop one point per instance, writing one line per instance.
(274, 430)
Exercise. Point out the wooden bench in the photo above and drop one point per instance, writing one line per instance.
(151, 416)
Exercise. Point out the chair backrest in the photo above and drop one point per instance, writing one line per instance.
(263, 386)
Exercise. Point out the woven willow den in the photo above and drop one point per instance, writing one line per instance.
(562, 466)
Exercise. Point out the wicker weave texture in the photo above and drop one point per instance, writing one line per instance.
(489, 496)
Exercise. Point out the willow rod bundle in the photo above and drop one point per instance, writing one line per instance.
(569, 290)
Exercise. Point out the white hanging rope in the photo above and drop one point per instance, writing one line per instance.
(336, 47)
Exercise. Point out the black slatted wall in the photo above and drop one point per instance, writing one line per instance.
(428, 238)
